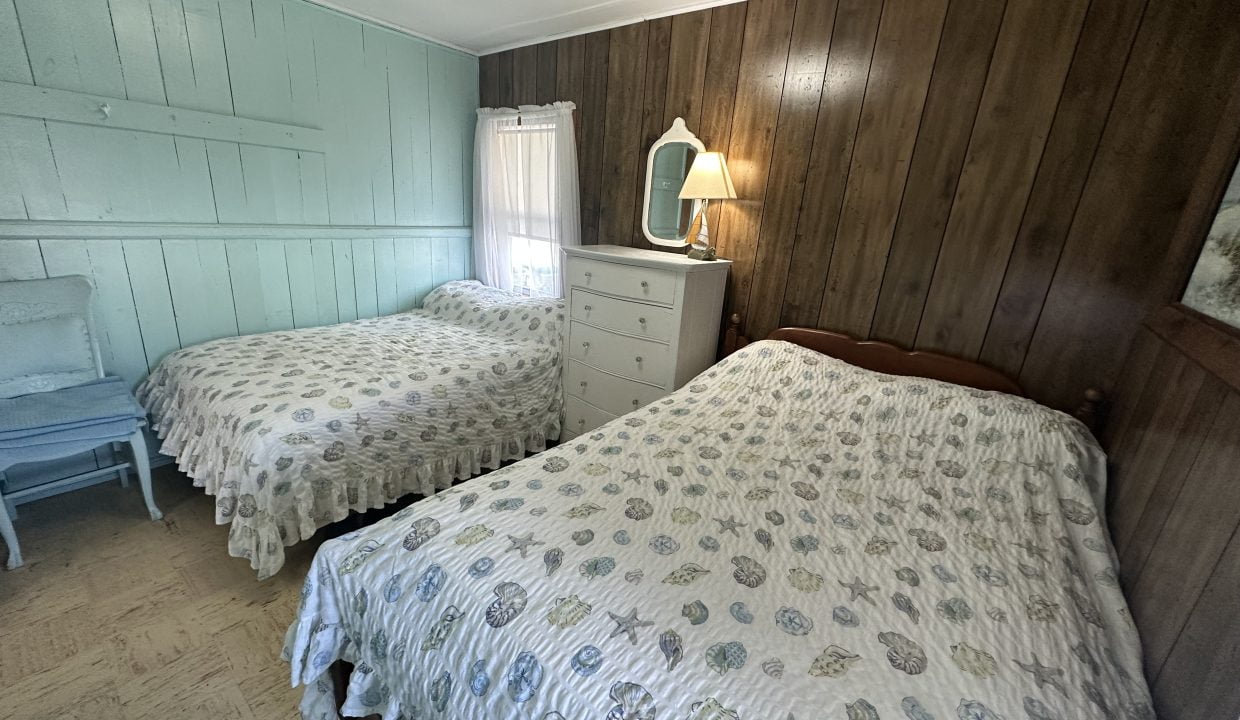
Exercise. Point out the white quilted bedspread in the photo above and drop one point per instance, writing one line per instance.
(292, 430)
(786, 537)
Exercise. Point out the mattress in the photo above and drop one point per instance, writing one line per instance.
(788, 536)
(292, 430)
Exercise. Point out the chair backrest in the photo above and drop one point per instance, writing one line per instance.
(47, 335)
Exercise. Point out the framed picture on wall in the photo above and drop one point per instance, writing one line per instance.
(1214, 288)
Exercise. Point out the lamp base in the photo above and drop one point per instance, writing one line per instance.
(703, 252)
(701, 249)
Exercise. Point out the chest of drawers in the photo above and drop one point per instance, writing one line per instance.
(642, 323)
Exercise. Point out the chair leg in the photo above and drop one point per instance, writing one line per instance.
(137, 445)
(10, 538)
(123, 472)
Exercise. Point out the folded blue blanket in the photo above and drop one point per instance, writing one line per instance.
(38, 414)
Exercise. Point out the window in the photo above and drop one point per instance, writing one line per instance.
(526, 204)
(531, 228)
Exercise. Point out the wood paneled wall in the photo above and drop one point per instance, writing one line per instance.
(284, 113)
(226, 167)
(1175, 509)
(997, 180)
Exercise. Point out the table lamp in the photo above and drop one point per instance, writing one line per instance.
(708, 179)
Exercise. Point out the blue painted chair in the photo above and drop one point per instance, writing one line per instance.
(54, 398)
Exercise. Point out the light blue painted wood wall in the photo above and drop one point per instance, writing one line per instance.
(225, 167)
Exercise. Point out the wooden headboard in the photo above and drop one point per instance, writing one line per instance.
(1174, 508)
(887, 358)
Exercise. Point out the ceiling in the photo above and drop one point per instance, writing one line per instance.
(481, 27)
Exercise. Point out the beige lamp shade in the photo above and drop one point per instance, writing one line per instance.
(708, 179)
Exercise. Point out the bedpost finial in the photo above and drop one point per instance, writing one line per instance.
(1091, 409)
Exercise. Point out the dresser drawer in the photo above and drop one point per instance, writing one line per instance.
(608, 392)
(645, 360)
(649, 321)
(582, 417)
(628, 281)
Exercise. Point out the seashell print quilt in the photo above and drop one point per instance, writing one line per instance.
(291, 430)
(787, 537)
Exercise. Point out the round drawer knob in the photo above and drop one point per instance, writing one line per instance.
(641, 320)
(645, 284)
(635, 403)
(585, 345)
(583, 383)
(582, 421)
(638, 358)
(589, 275)
(588, 308)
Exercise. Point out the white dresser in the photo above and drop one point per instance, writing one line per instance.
(642, 324)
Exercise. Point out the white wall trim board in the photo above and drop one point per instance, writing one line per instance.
(342, 8)
(22, 100)
(396, 27)
(87, 230)
(678, 10)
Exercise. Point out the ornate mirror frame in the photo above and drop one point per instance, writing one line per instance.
(677, 133)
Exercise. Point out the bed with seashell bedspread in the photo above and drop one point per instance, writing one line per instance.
(292, 430)
(788, 536)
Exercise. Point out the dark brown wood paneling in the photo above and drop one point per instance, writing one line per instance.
(1106, 39)
(1013, 181)
(525, 75)
(890, 116)
(570, 78)
(591, 114)
(488, 80)
(1199, 678)
(1174, 509)
(1193, 537)
(686, 68)
(1027, 74)
(848, 68)
(759, 90)
(723, 65)
(626, 86)
(807, 66)
(969, 35)
(506, 95)
(1166, 111)
(545, 82)
(658, 51)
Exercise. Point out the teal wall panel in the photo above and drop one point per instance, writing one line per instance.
(395, 114)
(225, 167)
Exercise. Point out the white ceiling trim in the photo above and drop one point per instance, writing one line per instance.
(396, 27)
(678, 10)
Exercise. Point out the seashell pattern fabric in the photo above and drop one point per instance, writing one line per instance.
(291, 430)
(814, 541)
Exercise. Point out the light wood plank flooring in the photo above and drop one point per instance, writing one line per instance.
(115, 616)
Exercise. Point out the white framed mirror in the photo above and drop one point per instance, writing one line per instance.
(665, 217)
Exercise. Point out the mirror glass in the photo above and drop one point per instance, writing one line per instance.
(668, 217)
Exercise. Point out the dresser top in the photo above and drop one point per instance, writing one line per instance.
(646, 258)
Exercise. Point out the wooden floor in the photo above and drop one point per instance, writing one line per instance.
(114, 616)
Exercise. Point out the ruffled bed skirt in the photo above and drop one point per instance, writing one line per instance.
(313, 643)
(203, 450)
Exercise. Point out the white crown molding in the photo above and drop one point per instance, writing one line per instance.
(395, 27)
(678, 10)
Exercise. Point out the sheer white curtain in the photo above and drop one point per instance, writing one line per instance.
(526, 204)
